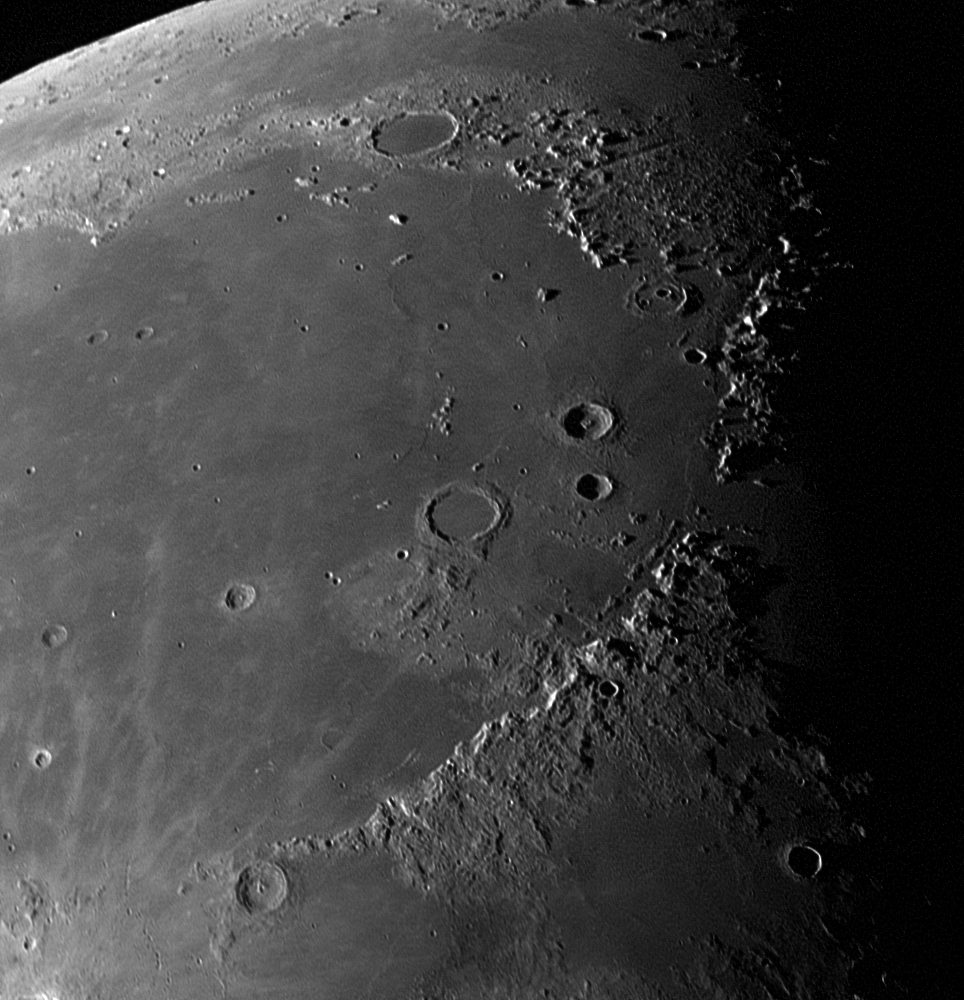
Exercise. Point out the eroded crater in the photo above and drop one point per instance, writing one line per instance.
(239, 597)
(664, 300)
(53, 636)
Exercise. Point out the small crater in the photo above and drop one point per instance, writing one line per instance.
(144, 333)
(239, 597)
(694, 356)
(547, 294)
(97, 337)
(54, 636)
(42, 759)
(607, 690)
(261, 887)
(414, 133)
(804, 861)
(593, 487)
(587, 421)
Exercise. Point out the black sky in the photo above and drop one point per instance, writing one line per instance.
(36, 32)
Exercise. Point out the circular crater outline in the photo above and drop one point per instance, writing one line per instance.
(593, 487)
(383, 123)
(808, 863)
(54, 636)
(429, 532)
(261, 887)
(239, 597)
(664, 299)
(586, 420)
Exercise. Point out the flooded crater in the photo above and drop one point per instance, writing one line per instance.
(410, 134)
(459, 513)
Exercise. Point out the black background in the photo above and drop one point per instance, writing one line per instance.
(36, 32)
(869, 401)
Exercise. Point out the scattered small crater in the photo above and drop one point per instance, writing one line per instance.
(97, 337)
(414, 133)
(239, 597)
(593, 487)
(664, 300)
(804, 861)
(54, 636)
(41, 759)
(587, 421)
(261, 887)
(655, 300)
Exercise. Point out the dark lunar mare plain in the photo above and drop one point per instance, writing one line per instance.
(274, 723)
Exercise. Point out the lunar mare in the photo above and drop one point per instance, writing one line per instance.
(389, 607)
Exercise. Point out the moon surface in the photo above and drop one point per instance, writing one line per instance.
(407, 575)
